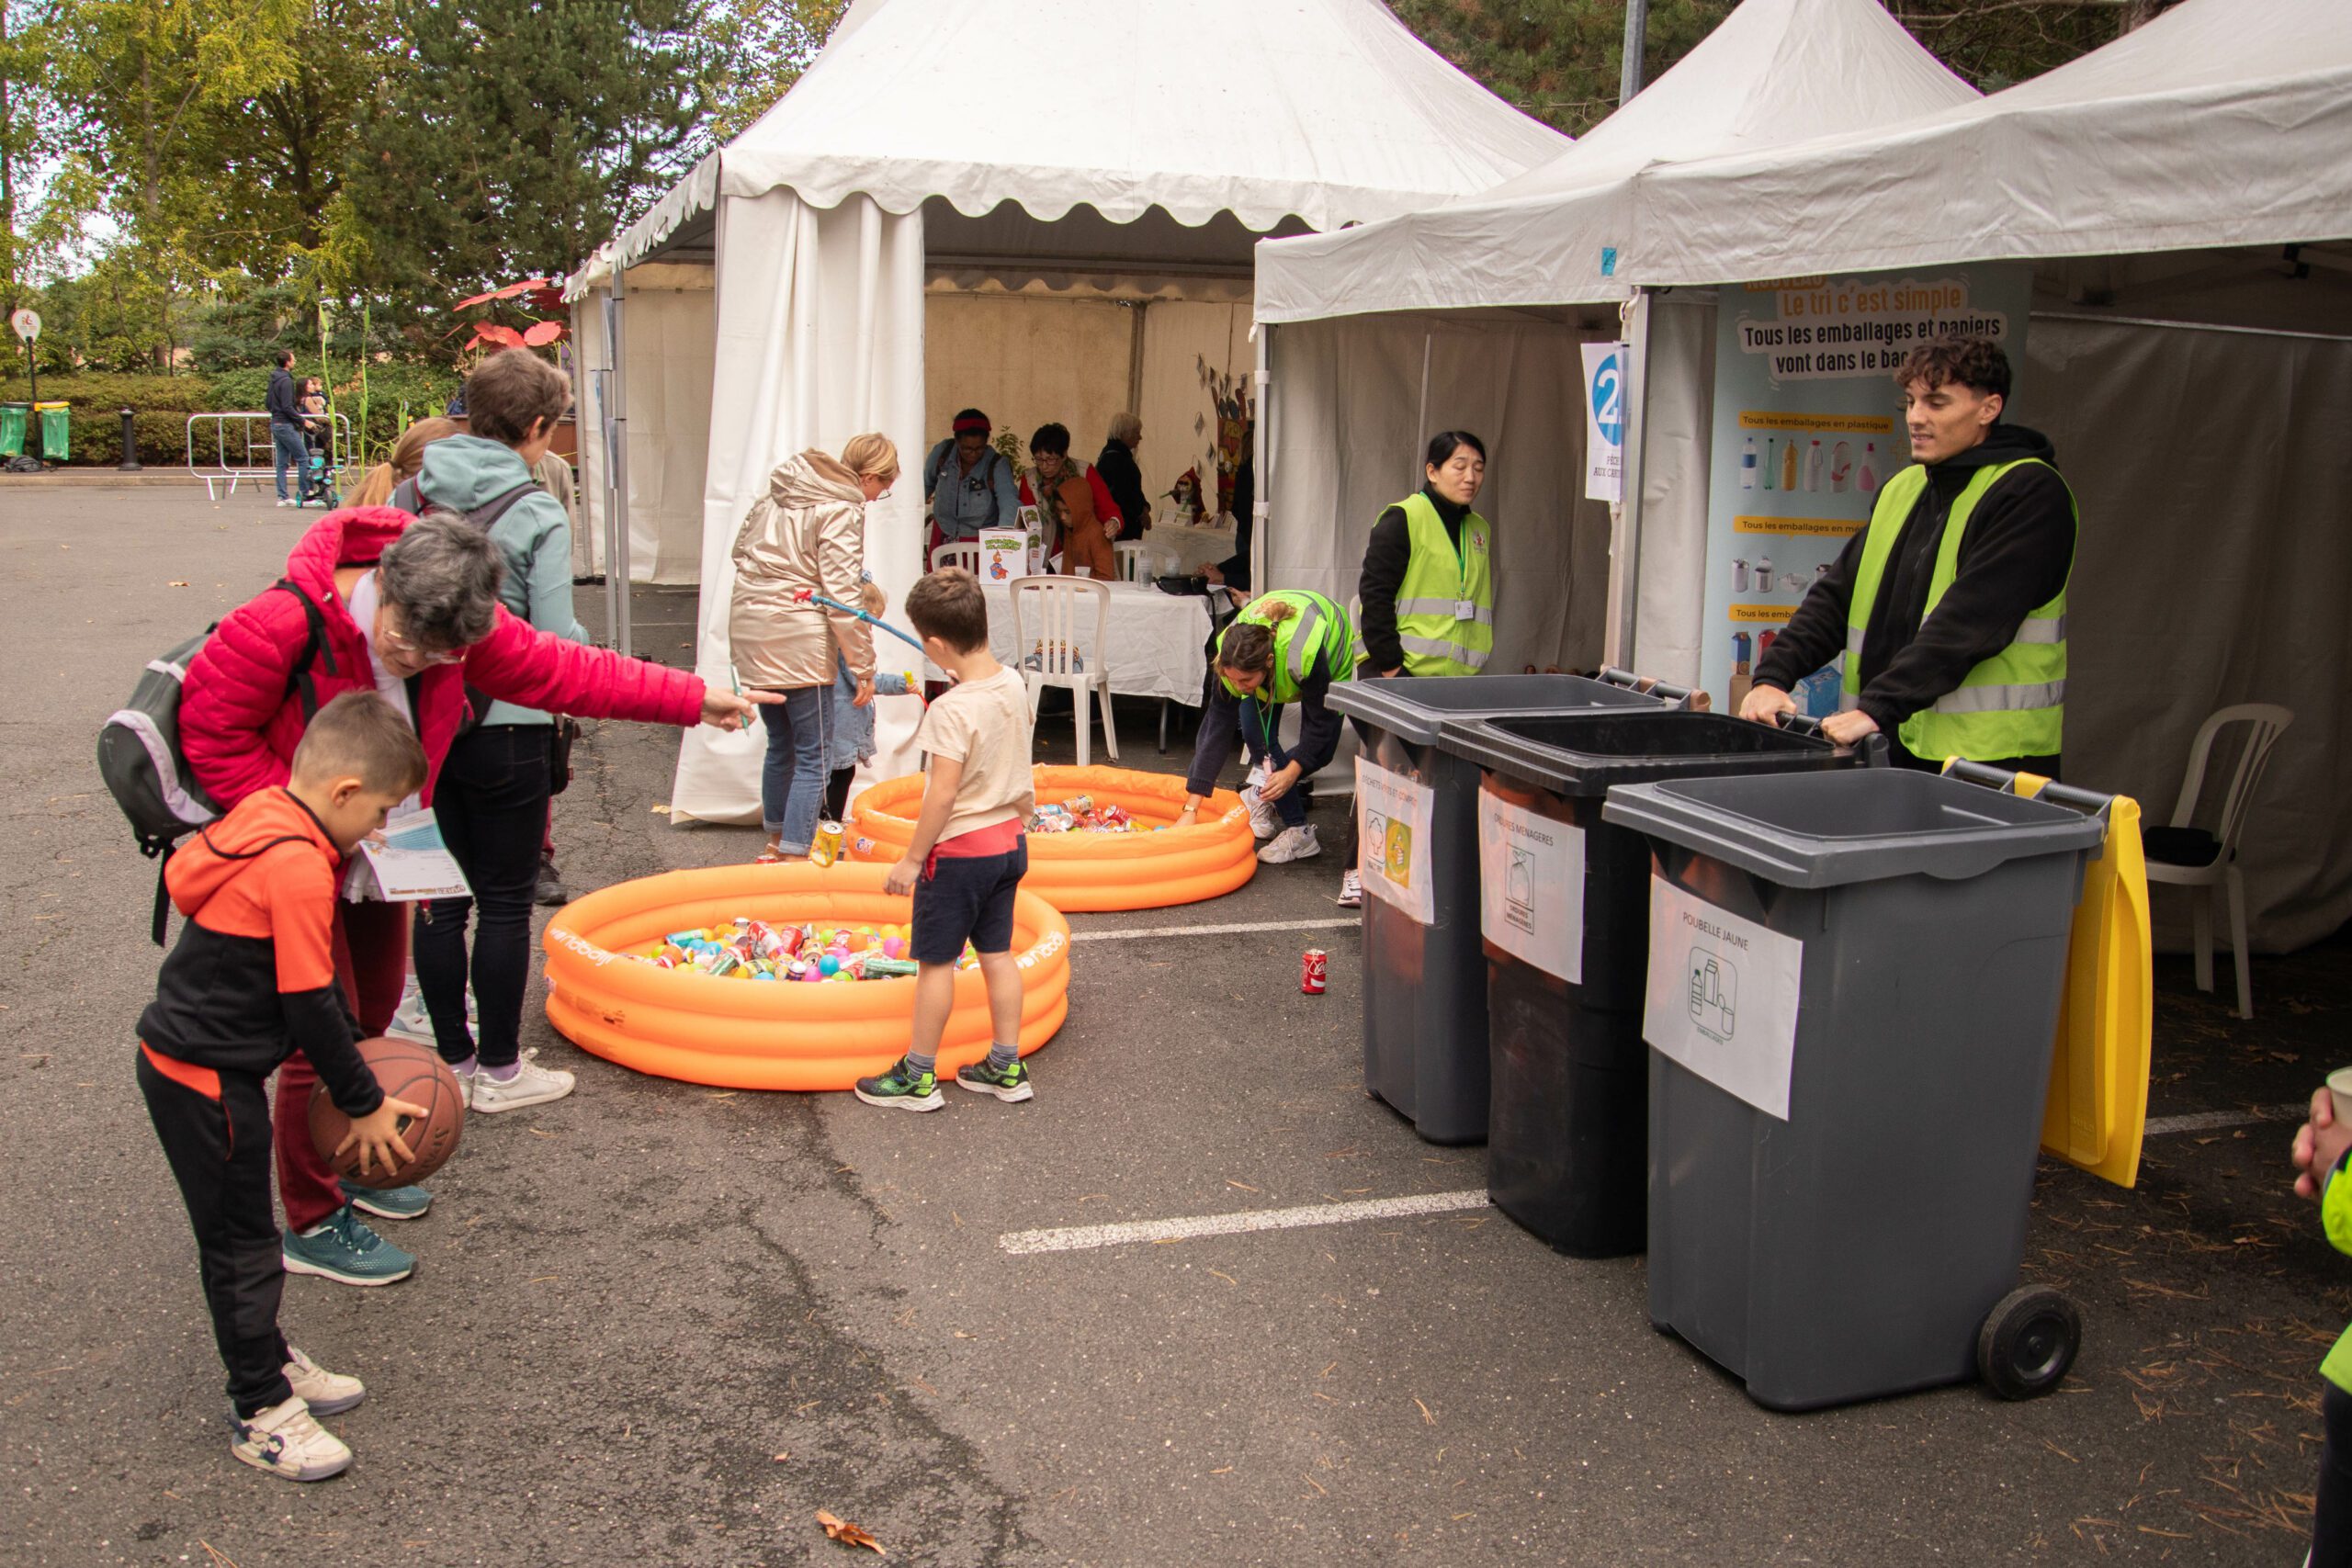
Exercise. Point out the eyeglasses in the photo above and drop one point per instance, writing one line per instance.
(424, 655)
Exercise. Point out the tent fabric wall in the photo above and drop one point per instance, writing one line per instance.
(1350, 442)
(820, 332)
(1177, 410)
(668, 330)
(2210, 570)
(1026, 360)
(1677, 441)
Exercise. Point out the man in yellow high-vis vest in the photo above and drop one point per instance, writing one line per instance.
(1950, 606)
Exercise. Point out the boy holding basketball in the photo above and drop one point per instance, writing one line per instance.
(967, 856)
(250, 982)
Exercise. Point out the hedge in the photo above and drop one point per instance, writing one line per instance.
(161, 406)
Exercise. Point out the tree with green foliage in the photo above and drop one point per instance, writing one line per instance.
(763, 46)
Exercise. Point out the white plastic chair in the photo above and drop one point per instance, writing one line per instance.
(965, 555)
(1047, 613)
(1134, 565)
(2194, 858)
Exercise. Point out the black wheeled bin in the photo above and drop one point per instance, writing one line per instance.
(1565, 927)
(1853, 988)
(1425, 984)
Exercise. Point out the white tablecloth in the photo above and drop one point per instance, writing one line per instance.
(1156, 639)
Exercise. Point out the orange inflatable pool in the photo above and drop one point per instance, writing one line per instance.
(1083, 872)
(746, 1035)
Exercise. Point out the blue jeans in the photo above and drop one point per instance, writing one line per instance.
(792, 780)
(1261, 739)
(291, 451)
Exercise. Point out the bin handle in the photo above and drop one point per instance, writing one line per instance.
(1648, 686)
(1873, 747)
(2090, 803)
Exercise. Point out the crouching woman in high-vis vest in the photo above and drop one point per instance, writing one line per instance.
(1950, 606)
(1286, 646)
(2322, 1148)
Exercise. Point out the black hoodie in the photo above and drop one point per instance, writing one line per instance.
(2015, 558)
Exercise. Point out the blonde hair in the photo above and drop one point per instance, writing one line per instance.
(872, 457)
(376, 486)
(1126, 429)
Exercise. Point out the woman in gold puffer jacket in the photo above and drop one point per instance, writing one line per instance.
(808, 533)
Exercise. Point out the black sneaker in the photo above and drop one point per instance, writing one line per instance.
(550, 893)
(1010, 1084)
(900, 1086)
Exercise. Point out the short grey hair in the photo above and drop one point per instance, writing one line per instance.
(442, 573)
(1126, 429)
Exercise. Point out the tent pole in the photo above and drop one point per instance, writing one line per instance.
(1261, 459)
(616, 572)
(1626, 517)
(1637, 27)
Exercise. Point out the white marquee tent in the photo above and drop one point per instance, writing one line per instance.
(1011, 156)
(1468, 315)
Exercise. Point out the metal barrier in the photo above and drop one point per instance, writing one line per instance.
(260, 456)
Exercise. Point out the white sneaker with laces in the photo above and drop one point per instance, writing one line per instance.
(1263, 823)
(1294, 843)
(326, 1393)
(414, 1023)
(285, 1441)
(531, 1084)
(1350, 891)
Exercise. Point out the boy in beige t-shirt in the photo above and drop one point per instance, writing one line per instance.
(968, 855)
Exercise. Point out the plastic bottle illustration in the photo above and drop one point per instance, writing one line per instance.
(1867, 480)
(1747, 464)
(1812, 466)
(1789, 465)
(1771, 463)
(1841, 466)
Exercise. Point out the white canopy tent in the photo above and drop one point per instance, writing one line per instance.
(1032, 149)
(2185, 196)
(1468, 315)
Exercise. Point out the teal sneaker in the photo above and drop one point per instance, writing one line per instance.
(1010, 1084)
(388, 1203)
(342, 1248)
(902, 1089)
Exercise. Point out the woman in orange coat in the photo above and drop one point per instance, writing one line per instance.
(1080, 517)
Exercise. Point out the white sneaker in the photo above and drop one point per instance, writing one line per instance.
(1294, 843)
(326, 1393)
(1350, 891)
(414, 1023)
(1263, 823)
(283, 502)
(533, 1085)
(285, 1441)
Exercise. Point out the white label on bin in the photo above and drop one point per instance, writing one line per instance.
(1531, 886)
(1723, 996)
(1393, 816)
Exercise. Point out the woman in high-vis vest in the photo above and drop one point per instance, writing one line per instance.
(1428, 587)
(1951, 604)
(2322, 1147)
(1287, 647)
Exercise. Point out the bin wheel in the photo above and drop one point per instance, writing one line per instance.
(2027, 1342)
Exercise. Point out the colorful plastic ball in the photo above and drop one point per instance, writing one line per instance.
(829, 965)
(893, 947)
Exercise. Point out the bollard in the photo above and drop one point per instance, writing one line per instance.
(130, 464)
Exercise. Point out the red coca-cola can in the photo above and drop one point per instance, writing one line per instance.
(1312, 968)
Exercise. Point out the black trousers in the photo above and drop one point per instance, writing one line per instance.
(492, 803)
(218, 1147)
(2332, 1519)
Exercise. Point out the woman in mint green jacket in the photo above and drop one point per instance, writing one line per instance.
(2322, 1149)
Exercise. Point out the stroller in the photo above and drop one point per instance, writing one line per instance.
(317, 469)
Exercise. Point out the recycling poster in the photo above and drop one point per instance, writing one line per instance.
(1531, 886)
(1808, 426)
(1722, 998)
(1392, 819)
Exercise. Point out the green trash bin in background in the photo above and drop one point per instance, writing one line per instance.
(12, 429)
(56, 430)
(1854, 985)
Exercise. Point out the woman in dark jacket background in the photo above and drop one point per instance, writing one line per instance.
(1117, 466)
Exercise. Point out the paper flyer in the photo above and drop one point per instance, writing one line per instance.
(412, 864)
(1394, 814)
(1722, 1000)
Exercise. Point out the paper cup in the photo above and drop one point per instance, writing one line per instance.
(2339, 1091)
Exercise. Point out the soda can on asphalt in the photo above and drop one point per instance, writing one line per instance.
(1314, 965)
(826, 848)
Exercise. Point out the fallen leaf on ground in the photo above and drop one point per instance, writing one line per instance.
(660, 810)
(180, 584)
(847, 1533)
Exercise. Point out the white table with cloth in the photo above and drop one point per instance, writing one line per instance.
(1158, 642)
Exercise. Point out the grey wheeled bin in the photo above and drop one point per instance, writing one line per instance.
(1853, 989)
(1565, 902)
(1425, 985)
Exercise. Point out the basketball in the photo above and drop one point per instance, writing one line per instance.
(406, 1070)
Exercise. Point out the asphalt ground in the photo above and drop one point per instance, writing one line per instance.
(657, 1324)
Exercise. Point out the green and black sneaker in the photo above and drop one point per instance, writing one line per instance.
(900, 1088)
(1010, 1084)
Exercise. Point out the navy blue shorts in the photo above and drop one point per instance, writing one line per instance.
(967, 897)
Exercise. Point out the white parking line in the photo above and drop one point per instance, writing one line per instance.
(2206, 1121)
(1235, 927)
(1080, 1238)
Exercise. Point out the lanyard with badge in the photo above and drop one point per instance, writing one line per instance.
(1465, 608)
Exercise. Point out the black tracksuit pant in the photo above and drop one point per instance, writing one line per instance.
(219, 1152)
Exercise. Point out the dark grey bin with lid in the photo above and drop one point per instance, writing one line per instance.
(1869, 1243)
(1425, 987)
(1568, 1119)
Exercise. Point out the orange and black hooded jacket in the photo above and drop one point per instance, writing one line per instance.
(251, 979)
